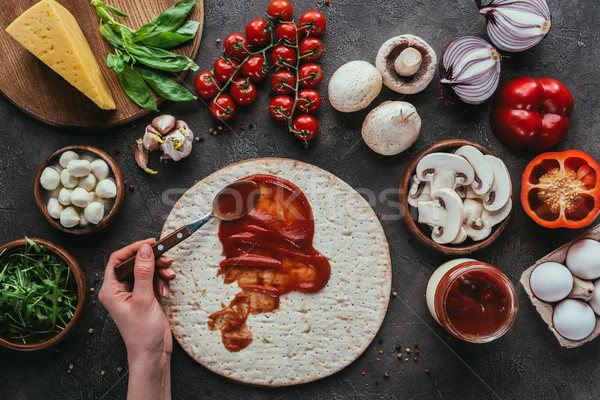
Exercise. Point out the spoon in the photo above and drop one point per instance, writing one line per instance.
(233, 202)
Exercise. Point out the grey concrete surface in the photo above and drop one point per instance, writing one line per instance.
(527, 363)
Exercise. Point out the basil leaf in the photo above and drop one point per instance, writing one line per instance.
(172, 18)
(189, 28)
(155, 57)
(115, 62)
(116, 12)
(163, 40)
(165, 87)
(135, 87)
(111, 35)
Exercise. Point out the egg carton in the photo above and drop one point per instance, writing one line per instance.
(582, 289)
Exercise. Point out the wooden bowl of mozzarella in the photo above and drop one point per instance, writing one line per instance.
(79, 189)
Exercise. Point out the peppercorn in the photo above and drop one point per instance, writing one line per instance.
(362, 372)
(417, 351)
(427, 371)
(386, 375)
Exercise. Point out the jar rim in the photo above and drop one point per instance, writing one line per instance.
(443, 290)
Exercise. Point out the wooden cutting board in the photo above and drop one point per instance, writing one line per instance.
(40, 92)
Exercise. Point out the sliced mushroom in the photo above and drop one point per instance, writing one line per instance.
(394, 60)
(484, 176)
(476, 227)
(354, 86)
(495, 217)
(461, 237)
(419, 191)
(501, 189)
(443, 214)
(391, 127)
(445, 170)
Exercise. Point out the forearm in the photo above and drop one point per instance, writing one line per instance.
(150, 377)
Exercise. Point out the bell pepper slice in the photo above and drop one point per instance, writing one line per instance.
(562, 190)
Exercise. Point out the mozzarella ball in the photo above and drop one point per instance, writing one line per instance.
(54, 208)
(83, 222)
(93, 197)
(49, 178)
(573, 319)
(80, 197)
(64, 196)
(595, 300)
(79, 168)
(66, 157)
(551, 281)
(94, 212)
(69, 181)
(106, 189)
(88, 182)
(100, 169)
(69, 217)
(583, 259)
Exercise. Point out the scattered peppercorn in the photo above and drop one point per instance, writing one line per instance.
(93, 302)
(398, 348)
(91, 330)
(386, 375)
(378, 359)
(242, 127)
(362, 372)
(70, 366)
(92, 290)
(131, 188)
(378, 215)
(326, 2)
(399, 355)
(220, 128)
(408, 350)
(133, 127)
(427, 371)
(415, 359)
(250, 126)
(218, 40)
(211, 130)
(417, 351)
(394, 294)
(102, 373)
(119, 369)
(68, 371)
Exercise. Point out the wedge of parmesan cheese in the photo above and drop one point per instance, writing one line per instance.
(51, 33)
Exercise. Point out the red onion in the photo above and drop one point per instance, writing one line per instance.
(516, 25)
(471, 67)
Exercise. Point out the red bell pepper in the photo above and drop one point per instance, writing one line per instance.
(531, 113)
(562, 190)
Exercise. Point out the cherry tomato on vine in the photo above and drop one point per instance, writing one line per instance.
(311, 49)
(283, 82)
(305, 127)
(243, 91)
(284, 57)
(207, 86)
(310, 75)
(281, 9)
(280, 107)
(309, 101)
(224, 68)
(258, 32)
(286, 31)
(236, 46)
(223, 108)
(255, 68)
(312, 23)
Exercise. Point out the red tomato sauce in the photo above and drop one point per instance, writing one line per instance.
(269, 253)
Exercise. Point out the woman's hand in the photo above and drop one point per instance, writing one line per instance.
(140, 318)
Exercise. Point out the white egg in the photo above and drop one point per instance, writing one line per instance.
(574, 319)
(66, 157)
(50, 178)
(583, 259)
(551, 281)
(595, 300)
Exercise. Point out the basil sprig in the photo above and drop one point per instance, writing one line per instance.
(141, 54)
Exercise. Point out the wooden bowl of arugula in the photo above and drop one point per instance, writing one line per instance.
(42, 293)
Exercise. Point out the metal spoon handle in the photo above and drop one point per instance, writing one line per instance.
(125, 269)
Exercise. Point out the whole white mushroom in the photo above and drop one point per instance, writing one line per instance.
(106, 189)
(94, 212)
(80, 197)
(69, 217)
(64, 196)
(100, 169)
(50, 178)
(391, 127)
(354, 86)
(88, 182)
(69, 181)
(79, 168)
(54, 208)
(66, 157)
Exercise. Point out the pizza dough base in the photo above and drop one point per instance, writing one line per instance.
(311, 335)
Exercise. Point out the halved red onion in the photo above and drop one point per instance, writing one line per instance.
(470, 66)
(516, 25)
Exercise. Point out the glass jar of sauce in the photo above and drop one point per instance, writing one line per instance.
(472, 300)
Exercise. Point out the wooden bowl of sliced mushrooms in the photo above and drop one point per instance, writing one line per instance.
(79, 189)
(457, 197)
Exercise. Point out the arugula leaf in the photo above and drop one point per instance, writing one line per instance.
(155, 57)
(135, 87)
(165, 87)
